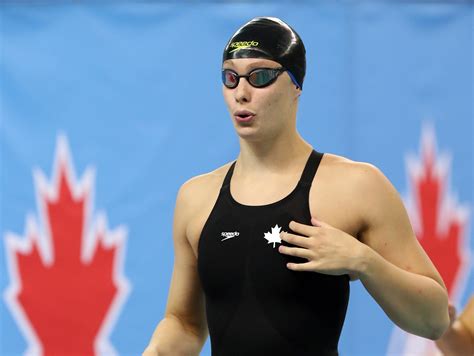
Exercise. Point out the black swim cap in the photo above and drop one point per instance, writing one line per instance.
(269, 38)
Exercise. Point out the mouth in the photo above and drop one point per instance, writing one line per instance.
(243, 115)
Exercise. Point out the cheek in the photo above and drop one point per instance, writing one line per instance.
(274, 102)
(227, 96)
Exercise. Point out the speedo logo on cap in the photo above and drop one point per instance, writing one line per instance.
(242, 45)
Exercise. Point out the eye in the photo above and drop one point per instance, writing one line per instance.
(230, 77)
(260, 77)
(264, 75)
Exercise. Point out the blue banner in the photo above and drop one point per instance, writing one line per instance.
(107, 109)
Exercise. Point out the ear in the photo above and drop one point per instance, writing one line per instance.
(297, 92)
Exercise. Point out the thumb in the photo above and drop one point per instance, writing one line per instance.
(452, 313)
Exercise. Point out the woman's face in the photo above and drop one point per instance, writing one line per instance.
(260, 113)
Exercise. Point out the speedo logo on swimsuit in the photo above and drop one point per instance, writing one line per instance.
(242, 45)
(229, 235)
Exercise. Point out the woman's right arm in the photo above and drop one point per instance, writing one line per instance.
(183, 330)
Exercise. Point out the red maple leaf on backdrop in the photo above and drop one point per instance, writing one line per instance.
(67, 286)
(440, 224)
(439, 221)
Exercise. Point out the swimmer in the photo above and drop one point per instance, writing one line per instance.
(265, 246)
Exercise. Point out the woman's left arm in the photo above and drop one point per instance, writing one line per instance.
(396, 270)
(386, 257)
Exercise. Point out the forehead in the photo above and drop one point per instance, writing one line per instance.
(249, 63)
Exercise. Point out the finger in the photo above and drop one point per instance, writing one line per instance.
(319, 223)
(452, 313)
(302, 229)
(296, 239)
(295, 251)
(299, 266)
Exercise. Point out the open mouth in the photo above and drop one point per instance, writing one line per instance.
(244, 116)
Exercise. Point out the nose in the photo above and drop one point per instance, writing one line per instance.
(243, 91)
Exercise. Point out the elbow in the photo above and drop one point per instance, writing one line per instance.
(436, 333)
(438, 325)
(439, 321)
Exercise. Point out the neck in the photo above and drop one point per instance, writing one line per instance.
(275, 155)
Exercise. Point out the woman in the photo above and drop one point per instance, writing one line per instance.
(265, 245)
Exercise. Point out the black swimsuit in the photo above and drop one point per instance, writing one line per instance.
(255, 305)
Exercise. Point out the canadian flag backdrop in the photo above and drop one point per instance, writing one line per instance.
(66, 278)
(440, 223)
(107, 108)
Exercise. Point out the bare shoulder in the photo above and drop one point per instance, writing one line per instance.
(353, 191)
(201, 187)
(354, 171)
(196, 198)
(371, 197)
(362, 180)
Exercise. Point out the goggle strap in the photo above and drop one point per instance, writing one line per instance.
(293, 79)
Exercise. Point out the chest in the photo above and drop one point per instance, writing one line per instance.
(238, 256)
(324, 202)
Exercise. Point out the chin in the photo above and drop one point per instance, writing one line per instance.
(249, 135)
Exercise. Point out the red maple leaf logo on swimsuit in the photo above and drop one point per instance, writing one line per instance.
(67, 286)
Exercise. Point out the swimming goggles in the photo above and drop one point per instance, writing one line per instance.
(258, 77)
